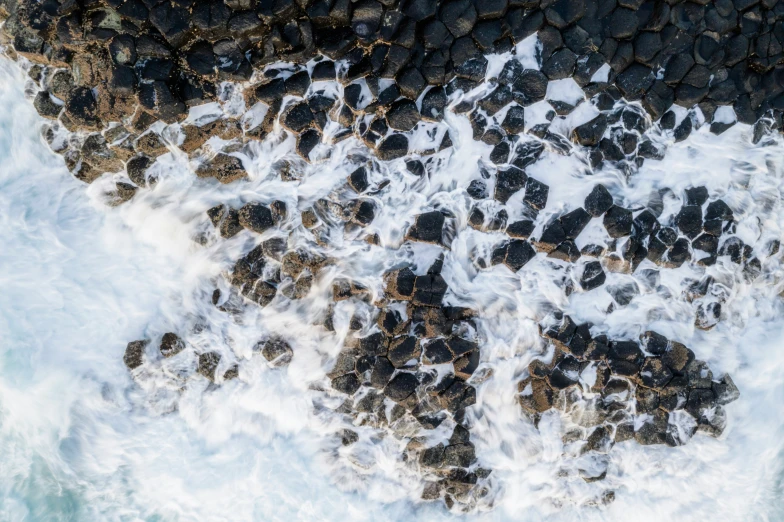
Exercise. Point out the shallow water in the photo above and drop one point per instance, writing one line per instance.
(83, 441)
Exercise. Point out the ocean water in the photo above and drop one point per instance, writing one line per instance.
(84, 441)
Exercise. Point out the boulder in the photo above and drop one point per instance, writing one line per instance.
(171, 345)
(255, 217)
(222, 167)
(427, 227)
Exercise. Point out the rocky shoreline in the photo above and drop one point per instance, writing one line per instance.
(120, 81)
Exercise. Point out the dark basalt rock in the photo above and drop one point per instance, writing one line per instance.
(277, 352)
(593, 276)
(536, 193)
(618, 221)
(403, 115)
(222, 167)
(134, 354)
(392, 147)
(171, 345)
(427, 227)
(255, 217)
(509, 181)
(588, 134)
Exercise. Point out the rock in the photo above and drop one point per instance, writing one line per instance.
(401, 386)
(536, 193)
(588, 134)
(654, 373)
(529, 87)
(509, 180)
(574, 222)
(297, 117)
(598, 201)
(635, 80)
(348, 384)
(434, 104)
(171, 345)
(427, 227)
(719, 210)
(477, 189)
(277, 352)
(134, 354)
(593, 276)
(653, 431)
(255, 217)
(403, 115)
(45, 106)
(689, 220)
(560, 65)
(655, 344)
(520, 229)
(618, 221)
(429, 290)
(514, 254)
(392, 147)
(358, 181)
(222, 167)
(566, 251)
(677, 357)
(725, 390)
(208, 363)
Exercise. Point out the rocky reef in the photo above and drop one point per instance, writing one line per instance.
(121, 83)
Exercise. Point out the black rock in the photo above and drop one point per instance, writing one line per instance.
(415, 167)
(403, 115)
(536, 193)
(429, 290)
(514, 121)
(683, 130)
(477, 189)
(574, 222)
(598, 201)
(696, 196)
(719, 210)
(588, 134)
(358, 180)
(256, 217)
(134, 354)
(171, 345)
(297, 117)
(560, 65)
(509, 180)
(392, 147)
(593, 276)
(618, 221)
(635, 80)
(689, 220)
(434, 104)
(520, 229)
(323, 71)
(529, 87)
(427, 227)
(348, 384)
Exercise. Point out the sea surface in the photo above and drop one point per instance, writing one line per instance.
(80, 440)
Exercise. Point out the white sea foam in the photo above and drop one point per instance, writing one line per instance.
(79, 280)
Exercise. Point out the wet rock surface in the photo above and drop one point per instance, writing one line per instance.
(651, 389)
(121, 83)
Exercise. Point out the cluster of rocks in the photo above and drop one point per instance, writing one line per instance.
(117, 79)
(167, 55)
(410, 370)
(275, 350)
(700, 232)
(139, 62)
(653, 391)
